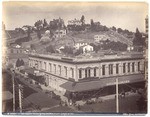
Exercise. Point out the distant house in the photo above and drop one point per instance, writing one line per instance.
(60, 33)
(14, 53)
(75, 22)
(130, 48)
(87, 48)
(15, 49)
(98, 38)
(25, 28)
(80, 44)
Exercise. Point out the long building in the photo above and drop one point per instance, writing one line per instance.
(83, 75)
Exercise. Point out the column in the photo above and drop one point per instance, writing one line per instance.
(99, 73)
(136, 67)
(106, 70)
(114, 69)
(92, 72)
(120, 69)
(126, 72)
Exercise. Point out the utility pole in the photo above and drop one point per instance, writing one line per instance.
(20, 97)
(117, 98)
(13, 76)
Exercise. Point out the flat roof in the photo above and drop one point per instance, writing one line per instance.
(88, 57)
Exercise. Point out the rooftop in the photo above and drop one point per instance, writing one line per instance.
(91, 57)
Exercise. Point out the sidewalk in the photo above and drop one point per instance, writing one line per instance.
(63, 98)
(40, 98)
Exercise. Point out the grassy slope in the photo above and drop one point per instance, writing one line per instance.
(114, 36)
(72, 37)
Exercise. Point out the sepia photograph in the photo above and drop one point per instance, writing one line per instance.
(74, 58)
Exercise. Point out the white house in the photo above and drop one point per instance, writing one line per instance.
(87, 48)
(98, 38)
(75, 22)
(79, 44)
(60, 33)
(130, 48)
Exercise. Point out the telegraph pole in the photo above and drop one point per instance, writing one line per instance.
(20, 97)
(13, 76)
(117, 98)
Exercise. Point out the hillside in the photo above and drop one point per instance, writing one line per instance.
(73, 37)
(112, 35)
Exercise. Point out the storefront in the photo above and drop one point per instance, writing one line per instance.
(101, 87)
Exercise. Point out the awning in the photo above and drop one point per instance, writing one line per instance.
(96, 84)
(29, 70)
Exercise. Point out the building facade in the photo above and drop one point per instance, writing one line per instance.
(12, 54)
(86, 74)
(75, 22)
(80, 44)
(87, 48)
(98, 38)
(60, 33)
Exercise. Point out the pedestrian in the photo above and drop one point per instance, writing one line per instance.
(65, 103)
(60, 103)
(123, 94)
(92, 110)
(78, 107)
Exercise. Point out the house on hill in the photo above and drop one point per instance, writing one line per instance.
(80, 44)
(98, 38)
(75, 22)
(60, 33)
(87, 48)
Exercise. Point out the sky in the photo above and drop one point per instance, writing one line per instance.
(127, 15)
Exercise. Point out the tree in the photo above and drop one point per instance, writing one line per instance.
(21, 62)
(114, 28)
(68, 50)
(138, 40)
(50, 48)
(32, 46)
(28, 31)
(92, 23)
(45, 23)
(38, 26)
(18, 64)
(82, 19)
(119, 30)
(95, 47)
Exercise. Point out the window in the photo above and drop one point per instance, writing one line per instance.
(54, 69)
(111, 69)
(103, 69)
(40, 64)
(138, 66)
(124, 67)
(65, 71)
(85, 73)
(44, 65)
(117, 68)
(59, 68)
(12, 51)
(89, 73)
(80, 73)
(128, 67)
(94, 71)
(50, 67)
(72, 72)
(133, 67)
